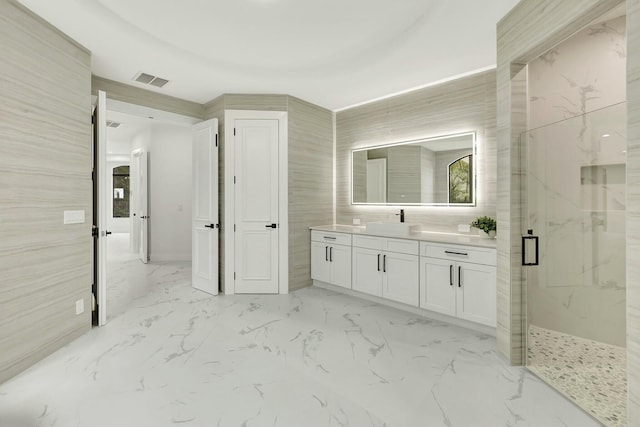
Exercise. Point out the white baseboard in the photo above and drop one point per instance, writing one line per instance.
(414, 310)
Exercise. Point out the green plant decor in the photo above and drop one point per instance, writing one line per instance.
(485, 223)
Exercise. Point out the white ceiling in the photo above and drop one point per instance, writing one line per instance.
(335, 53)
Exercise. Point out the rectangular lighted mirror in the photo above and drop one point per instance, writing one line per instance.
(430, 171)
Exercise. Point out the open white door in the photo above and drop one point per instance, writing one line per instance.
(143, 212)
(205, 226)
(140, 203)
(102, 205)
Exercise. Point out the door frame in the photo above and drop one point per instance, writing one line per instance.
(230, 116)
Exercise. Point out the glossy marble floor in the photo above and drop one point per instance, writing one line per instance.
(176, 356)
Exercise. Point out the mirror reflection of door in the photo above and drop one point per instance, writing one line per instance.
(377, 181)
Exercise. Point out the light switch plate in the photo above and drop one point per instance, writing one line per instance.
(74, 217)
(464, 228)
(80, 306)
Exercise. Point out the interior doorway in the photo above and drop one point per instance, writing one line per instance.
(125, 240)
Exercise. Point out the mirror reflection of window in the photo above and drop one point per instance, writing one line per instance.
(460, 180)
(121, 192)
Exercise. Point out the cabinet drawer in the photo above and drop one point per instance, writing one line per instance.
(368, 242)
(402, 246)
(329, 237)
(459, 253)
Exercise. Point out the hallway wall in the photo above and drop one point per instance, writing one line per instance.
(45, 169)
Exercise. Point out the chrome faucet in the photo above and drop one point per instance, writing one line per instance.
(401, 215)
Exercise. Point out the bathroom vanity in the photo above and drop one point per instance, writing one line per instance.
(425, 272)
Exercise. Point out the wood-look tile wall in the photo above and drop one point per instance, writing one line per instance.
(310, 183)
(310, 166)
(45, 169)
(139, 96)
(633, 212)
(463, 105)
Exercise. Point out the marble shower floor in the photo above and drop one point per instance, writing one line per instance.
(177, 356)
(591, 373)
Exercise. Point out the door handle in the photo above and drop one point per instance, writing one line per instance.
(451, 275)
(144, 217)
(271, 225)
(459, 276)
(106, 233)
(210, 225)
(378, 262)
(534, 239)
(384, 263)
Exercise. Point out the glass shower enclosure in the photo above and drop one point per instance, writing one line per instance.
(574, 209)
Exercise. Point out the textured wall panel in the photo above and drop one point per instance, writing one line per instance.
(45, 168)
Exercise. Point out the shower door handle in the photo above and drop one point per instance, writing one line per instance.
(528, 241)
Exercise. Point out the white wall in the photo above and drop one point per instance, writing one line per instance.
(170, 193)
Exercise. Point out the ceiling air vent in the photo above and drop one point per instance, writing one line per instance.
(112, 124)
(150, 79)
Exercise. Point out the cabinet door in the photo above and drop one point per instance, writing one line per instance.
(437, 285)
(400, 281)
(320, 262)
(367, 271)
(340, 264)
(476, 293)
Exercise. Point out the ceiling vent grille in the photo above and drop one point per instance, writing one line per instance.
(112, 124)
(149, 79)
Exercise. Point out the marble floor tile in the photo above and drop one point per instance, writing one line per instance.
(177, 356)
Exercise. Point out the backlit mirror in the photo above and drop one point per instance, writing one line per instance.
(431, 171)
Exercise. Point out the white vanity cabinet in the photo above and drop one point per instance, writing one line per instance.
(331, 258)
(387, 268)
(459, 281)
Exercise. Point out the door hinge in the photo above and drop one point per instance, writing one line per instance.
(216, 139)
(234, 275)
(93, 176)
(234, 131)
(234, 228)
(234, 179)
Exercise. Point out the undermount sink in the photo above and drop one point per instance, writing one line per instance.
(393, 228)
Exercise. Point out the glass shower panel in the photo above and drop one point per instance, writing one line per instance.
(574, 200)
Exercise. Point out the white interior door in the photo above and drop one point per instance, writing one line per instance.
(205, 226)
(134, 232)
(143, 207)
(257, 230)
(103, 196)
(377, 181)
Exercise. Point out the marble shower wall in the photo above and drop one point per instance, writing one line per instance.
(577, 188)
(576, 199)
(582, 74)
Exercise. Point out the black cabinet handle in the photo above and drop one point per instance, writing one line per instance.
(329, 238)
(456, 253)
(384, 263)
(210, 225)
(378, 262)
(459, 276)
(326, 253)
(271, 225)
(331, 254)
(451, 275)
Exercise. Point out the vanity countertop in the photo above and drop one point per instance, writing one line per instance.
(429, 236)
